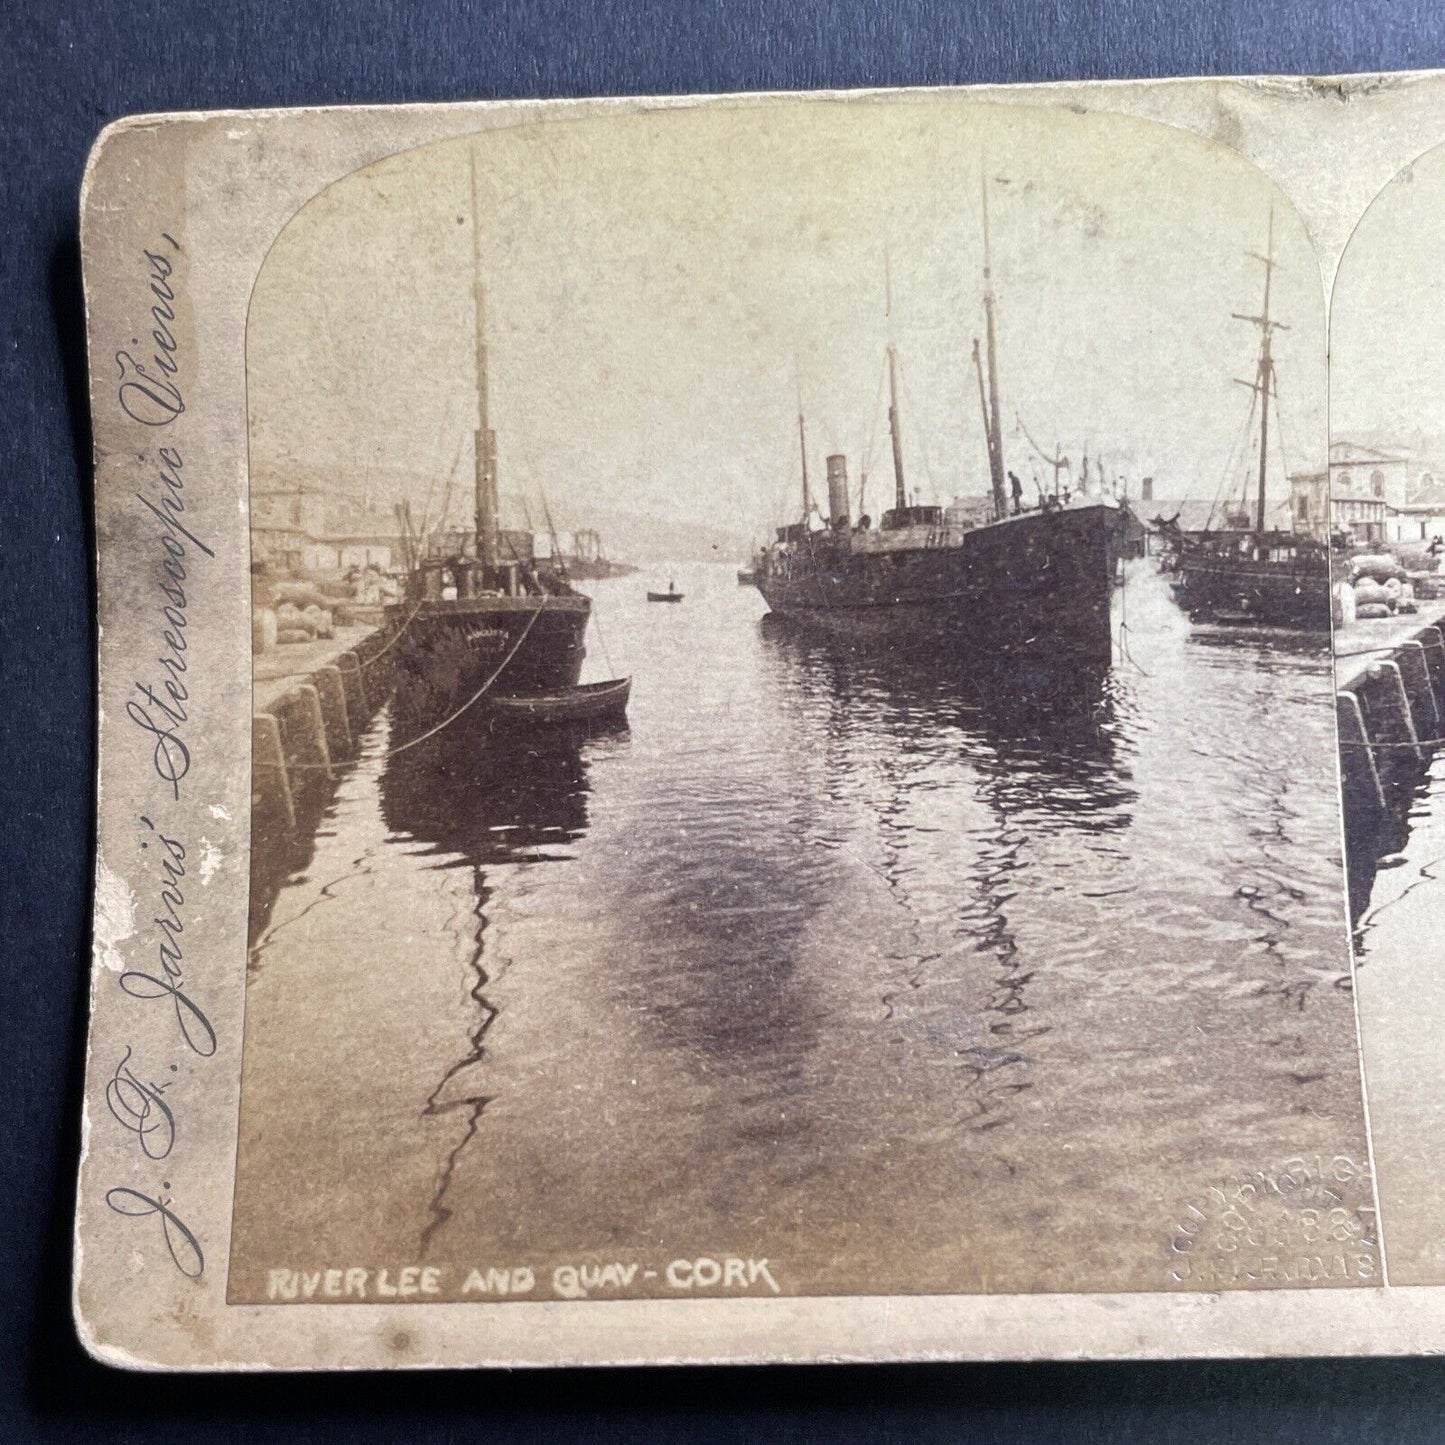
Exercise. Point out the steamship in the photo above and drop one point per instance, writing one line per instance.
(488, 619)
(1029, 582)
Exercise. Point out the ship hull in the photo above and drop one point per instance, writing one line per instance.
(1266, 594)
(1035, 586)
(448, 651)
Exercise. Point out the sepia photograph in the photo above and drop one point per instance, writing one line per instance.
(793, 742)
(1387, 501)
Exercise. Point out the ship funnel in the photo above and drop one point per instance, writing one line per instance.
(838, 490)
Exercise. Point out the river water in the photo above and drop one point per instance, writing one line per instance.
(902, 980)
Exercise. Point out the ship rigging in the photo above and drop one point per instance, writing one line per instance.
(1029, 582)
(476, 621)
(1249, 572)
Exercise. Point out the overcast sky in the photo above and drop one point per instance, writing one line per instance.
(1388, 314)
(659, 286)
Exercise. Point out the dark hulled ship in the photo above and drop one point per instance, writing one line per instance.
(1267, 578)
(489, 618)
(1022, 582)
(1247, 573)
(1038, 584)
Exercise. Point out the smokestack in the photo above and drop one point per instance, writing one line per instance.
(1146, 493)
(838, 490)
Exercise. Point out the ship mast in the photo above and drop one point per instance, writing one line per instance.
(900, 491)
(1263, 383)
(803, 451)
(485, 444)
(991, 421)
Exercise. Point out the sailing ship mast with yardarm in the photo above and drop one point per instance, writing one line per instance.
(1032, 582)
(489, 619)
(1252, 573)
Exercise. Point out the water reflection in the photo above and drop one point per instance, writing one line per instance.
(282, 855)
(1380, 840)
(478, 799)
(1393, 852)
(1049, 736)
(1263, 643)
(484, 798)
(1042, 747)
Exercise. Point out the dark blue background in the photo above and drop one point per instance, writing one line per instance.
(67, 69)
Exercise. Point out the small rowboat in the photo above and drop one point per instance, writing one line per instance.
(669, 596)
(588, 703)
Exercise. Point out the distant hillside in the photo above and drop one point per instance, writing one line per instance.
(627, 535)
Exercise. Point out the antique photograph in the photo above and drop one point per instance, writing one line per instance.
(1387, 501)
(793, 727)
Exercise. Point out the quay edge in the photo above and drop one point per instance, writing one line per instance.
(306, 724)
(1390, 713)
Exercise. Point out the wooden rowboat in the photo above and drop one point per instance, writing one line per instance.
(591, 701)
(664, 596)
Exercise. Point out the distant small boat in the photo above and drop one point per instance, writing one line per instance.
(589, 702)
(671, 595)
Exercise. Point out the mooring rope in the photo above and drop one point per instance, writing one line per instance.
(1125, 651)
(445, 722)
(496, 673)
(597, 623)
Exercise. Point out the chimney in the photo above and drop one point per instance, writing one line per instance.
(838, 490)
